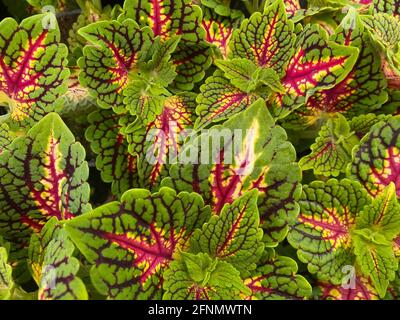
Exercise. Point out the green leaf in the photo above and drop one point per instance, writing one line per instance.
(276, 279)
(385, 30)
(234, 235)
(144, 99)
(376, 160)
(219, 30)
(363, 123)
(265, 38)
(159, 142)
(361, 91)
(270, 78)
(331, 152)
(383, 214)
(6, 137)
(219, 100)
(32, 70)
(198, 277)
(111, 55)
(221, 7)
(322, 235)
(239, 71)
(246, 76)
(6, 280)
(37, 246)
(160, 70)
(59, 270)
(317, 64)
(386, 6)
(376, 261)
(168, 18)
(43, 175)
(248, 152)
(130, 243)
(116, 164)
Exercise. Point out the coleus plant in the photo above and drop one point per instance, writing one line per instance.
(206, 150)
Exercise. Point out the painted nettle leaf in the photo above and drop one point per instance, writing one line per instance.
(249, 151)
(6, 279)
(276, 279)
(340, 227)
(32, 70)
(157, 144)
(116, 164)
(238, 240)
(111, 59)
(168, 18)
(53, 264)
(331, 153)
(130, 243)
(322, 234)
(362, 90)
(43, 175)
(200, 150)
(376, 160)
(385, 30)
(219, 30)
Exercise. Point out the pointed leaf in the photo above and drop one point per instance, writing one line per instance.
(185, 279)
(362, 90)
(239, 72)
(362, 124)
(322, 234)
(248, 152)
(160, 141)
(32, 69)
(218, 100)
(219, 30)
(317, 64)
(266, 38)
(385, 30)
(376, 261)
(111, 55)
(234, 236)
(131, 243)
(43, 175)
(6, 280)
(168, 18)
(331, 152)
(383, 214)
